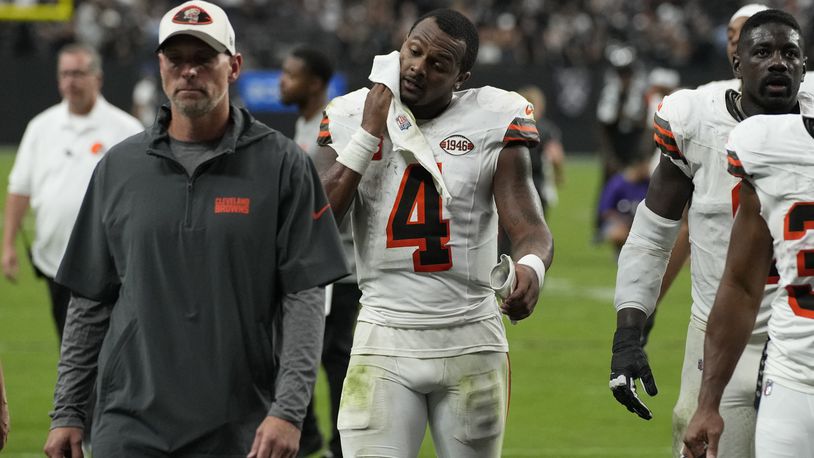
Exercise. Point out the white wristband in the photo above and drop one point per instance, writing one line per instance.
(534, 261)
(359, 151)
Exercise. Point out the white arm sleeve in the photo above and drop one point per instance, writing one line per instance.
(643, 260)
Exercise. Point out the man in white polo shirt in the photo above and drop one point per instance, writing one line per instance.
(54, 162)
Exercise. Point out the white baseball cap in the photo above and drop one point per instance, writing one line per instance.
(203, 20)
(748, 11)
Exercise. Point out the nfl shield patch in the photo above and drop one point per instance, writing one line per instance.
(403, 122)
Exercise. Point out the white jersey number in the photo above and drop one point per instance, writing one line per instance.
(417, 220)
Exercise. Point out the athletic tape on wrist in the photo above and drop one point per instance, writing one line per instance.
(534, 261)
(643, 260)
(356, 155)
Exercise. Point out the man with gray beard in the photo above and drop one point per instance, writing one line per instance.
(195, 268)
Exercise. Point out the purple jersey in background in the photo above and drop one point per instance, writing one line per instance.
(622, 196)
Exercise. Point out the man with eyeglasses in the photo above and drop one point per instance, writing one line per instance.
(54, 162)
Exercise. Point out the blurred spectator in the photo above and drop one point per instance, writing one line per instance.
(54, 163)
(547, 160)
(620, 197)
(548, 157)
(675, 34)
(111, 27)
(147, 97)
(662, 82)
(621, 110)
(560, 44)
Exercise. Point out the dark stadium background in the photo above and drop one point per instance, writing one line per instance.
(556, 44)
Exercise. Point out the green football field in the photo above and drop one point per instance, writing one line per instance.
(560, 402)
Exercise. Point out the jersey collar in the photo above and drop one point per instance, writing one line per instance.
(733, 105)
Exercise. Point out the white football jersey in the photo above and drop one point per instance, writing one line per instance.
(692, 127)
(423, 263)
(776, 155)
(807, 85)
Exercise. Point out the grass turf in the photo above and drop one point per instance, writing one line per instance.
(560, 402)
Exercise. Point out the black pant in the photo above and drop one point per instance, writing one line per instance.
(60, 296)
(339, 325)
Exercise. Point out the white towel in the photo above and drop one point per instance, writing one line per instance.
(503, 278)
(401, 125)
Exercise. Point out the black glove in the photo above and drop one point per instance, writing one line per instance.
(648, 327)
(628, 363)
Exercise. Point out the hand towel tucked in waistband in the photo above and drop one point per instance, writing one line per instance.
(401, 125)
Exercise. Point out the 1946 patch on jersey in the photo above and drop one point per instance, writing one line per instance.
(456, 145)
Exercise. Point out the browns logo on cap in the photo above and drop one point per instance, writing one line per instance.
(192, 15)
(202, 20)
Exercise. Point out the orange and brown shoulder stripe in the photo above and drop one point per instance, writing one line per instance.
(522, 130)
(665, 140)
(734, 164)
(324, 137)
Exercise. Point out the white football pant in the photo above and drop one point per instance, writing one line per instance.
(738, 401)
(387, 402)
(785, 422)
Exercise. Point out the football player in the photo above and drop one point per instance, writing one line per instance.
(773, 156)
(430, 346)
(691, 130)
(681, 250)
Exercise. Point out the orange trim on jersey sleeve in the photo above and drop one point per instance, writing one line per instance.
(735, 166)
(671, 150)
(522, 130)
(661, 122)
(324, 137)
(663, 131)
(667, 146)
(733, 161)
(527, 128)
(515, 139)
